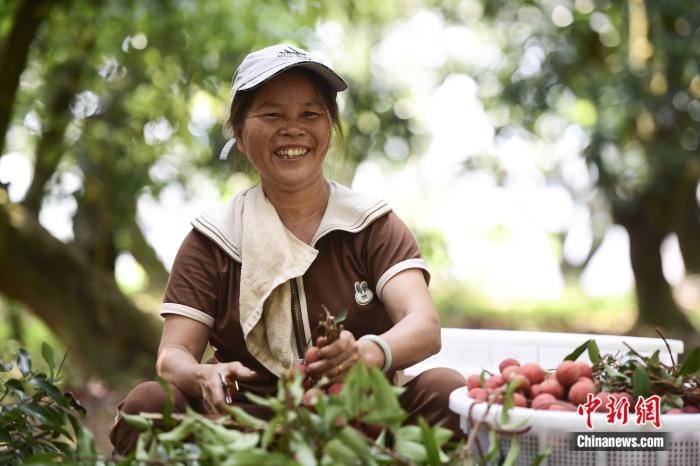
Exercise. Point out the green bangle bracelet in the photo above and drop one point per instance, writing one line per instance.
(384, 347)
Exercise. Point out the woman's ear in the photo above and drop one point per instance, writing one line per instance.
(240, 145)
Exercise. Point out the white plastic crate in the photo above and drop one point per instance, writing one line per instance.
(470, 351)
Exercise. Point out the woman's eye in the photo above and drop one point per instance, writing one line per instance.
(272, 115)
(311, 114)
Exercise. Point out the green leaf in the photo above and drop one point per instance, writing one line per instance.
(352, 438)
(51, 390)
(259, 400)
(86, 443)
(244, 418)
(340, 453)
(303, 452)
(413, 451)
(41, 459)
(654, 358)
(494, 447)
(428, 438)
(577, 352)
(641, 385)
(613, 373)
(137, 422)
(48, 355)
(537, 460)
(342, 315)
(691, 363)
(513, 452)
(593, 351)
(169, 402)
(42, 414)
(24, 361)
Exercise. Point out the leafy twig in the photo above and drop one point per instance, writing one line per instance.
(668, 347)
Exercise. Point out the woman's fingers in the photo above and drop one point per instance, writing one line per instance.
(239, 371)
(336, 358)
(217, 384)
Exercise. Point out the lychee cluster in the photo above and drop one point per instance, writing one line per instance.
(560, 390)
(312, 392)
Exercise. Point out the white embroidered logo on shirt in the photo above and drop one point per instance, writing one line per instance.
(363, 295)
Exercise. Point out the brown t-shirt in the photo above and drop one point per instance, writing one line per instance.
(349, 272)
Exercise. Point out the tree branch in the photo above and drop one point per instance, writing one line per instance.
(13, 60)
(60, 284)
(50, 147)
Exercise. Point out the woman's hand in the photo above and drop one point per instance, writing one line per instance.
(210, 376)
(335, 358)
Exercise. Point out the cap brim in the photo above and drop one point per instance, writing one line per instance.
(336, 83)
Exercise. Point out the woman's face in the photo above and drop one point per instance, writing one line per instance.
(286, 132)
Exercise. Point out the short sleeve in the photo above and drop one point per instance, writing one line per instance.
(191, 289)
(391, 248)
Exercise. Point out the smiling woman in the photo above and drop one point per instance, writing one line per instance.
(253, 275)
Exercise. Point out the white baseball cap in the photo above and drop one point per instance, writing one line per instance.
(262, 65)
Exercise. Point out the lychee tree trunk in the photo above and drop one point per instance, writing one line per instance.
(108, 335)
(647, 227)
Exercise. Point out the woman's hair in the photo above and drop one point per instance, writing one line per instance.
(244, 99)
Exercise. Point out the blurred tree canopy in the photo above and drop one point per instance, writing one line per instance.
(628, 74)
(103, 92)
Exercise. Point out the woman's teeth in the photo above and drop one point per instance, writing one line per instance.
(291, 153)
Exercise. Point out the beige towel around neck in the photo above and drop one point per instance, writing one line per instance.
(270, 256)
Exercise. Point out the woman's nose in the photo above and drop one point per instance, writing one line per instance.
(293, 127)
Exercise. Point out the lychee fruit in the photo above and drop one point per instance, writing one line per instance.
(495, 381)
(553, 387)
(479, 394)
(567, 373)
(473, 381)
(580, 390)
(508, 362)
(542, 401)
(561, 406)
(533, 372)
(311, 396)
(510, 371)
(335, 388)
(584, 369)
(519, 400)
(523, 384)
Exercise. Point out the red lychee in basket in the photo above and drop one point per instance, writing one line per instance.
(553, 387)
(507, 363)
(584, 370)
(562, 406)
(519, 400)
(479, 394)
(542, 401)
(568, 373)
(523, 383)
(533, 372)
(579, 391)
(495, 381)
(474, 381)
(603, 397)
(510, 371)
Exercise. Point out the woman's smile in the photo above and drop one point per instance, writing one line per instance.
(291, 153)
